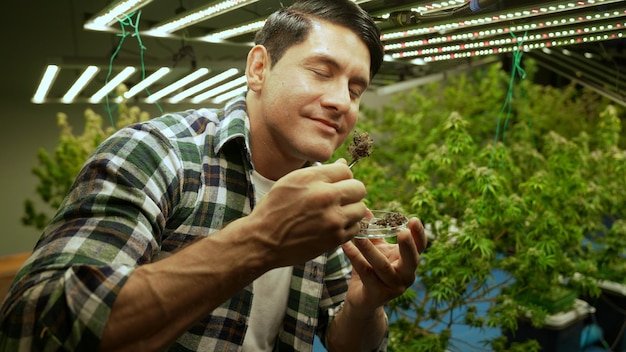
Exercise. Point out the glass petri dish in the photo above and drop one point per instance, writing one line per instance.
(383, 224)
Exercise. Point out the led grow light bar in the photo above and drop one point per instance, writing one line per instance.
(616, 34)
(197, 15)
(492, 19)
(82, 81)
(113, 13)
(475, 35)
(204, 85)
(113, 83)
(177, 85)
(45, 84)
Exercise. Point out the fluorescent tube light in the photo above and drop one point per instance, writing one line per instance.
(116, 81)
(177, 85)
(113, 13)
(233, 32)
(219, 90)
(194, 16)
(204, 85)
(86, 77)
(46, 83)
(233, 93)
(146, 82)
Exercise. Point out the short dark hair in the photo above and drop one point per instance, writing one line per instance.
(291, 25)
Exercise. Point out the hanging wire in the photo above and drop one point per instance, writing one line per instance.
(127, 21)
(516, 70)
(505, 112)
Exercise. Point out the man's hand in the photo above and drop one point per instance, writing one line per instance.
(307, 212)
(383, 271)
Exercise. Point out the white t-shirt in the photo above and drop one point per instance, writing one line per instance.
(271, 291)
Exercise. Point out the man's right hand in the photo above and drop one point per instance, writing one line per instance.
(307, 212)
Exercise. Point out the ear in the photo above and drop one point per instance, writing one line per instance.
(257, 66)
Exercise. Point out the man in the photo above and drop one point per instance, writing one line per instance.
(220, 230)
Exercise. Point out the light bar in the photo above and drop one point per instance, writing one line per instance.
(440, 6)
(569, 33)
(233, 32)
(46, 83)
(147, 82)
(219, 90)
(475, 35)
(84, 79)
(194, 16)
(113, 13)
(618, 34)
(506, 17)
(226, 96)
(204, 85)
(177, 85)
(116, 81)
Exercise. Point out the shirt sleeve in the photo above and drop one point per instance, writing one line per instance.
(109, 223)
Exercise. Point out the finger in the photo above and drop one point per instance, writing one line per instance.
(341, 161)
(419, 234)
(350, 191)
(380, 265)
(332, 173)
(409, 254)
(354, 212)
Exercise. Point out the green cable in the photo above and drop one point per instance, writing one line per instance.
(127, 21)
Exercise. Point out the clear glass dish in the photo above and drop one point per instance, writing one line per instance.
(383, 224)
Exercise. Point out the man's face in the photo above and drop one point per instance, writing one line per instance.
(310, 98)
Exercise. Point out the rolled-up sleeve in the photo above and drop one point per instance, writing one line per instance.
(110, 223)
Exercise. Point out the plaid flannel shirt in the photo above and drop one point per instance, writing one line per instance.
(147, 191)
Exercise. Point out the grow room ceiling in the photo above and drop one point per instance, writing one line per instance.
(205, 42)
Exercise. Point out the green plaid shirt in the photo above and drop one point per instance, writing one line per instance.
(147, 191)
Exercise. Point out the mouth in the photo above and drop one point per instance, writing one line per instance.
(330, 124)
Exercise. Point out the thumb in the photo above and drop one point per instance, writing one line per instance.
(341, 161)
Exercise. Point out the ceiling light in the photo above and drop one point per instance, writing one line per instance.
(512, 48)
(227, 96)
(219, 90)
(46, 82)
(197, 15)
(474, 35)
(435, 7)
(521, 14)
(177, 85)
(147, 82)
(113, 13)
(204, 85)
(89, 73)
(233, 32)
(535, 37)
(112, 84)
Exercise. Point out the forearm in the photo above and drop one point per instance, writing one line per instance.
(352, 328)
(162, 300)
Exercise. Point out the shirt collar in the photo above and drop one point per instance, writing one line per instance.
(234, 124)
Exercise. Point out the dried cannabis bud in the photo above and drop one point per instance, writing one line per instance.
(360, 147)
(391, 220)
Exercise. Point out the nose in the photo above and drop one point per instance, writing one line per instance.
(338, 98)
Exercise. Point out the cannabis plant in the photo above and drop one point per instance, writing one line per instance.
(512, 192)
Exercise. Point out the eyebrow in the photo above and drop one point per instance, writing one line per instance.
(364, 82)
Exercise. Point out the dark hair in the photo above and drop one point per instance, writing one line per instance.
(291, 25)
